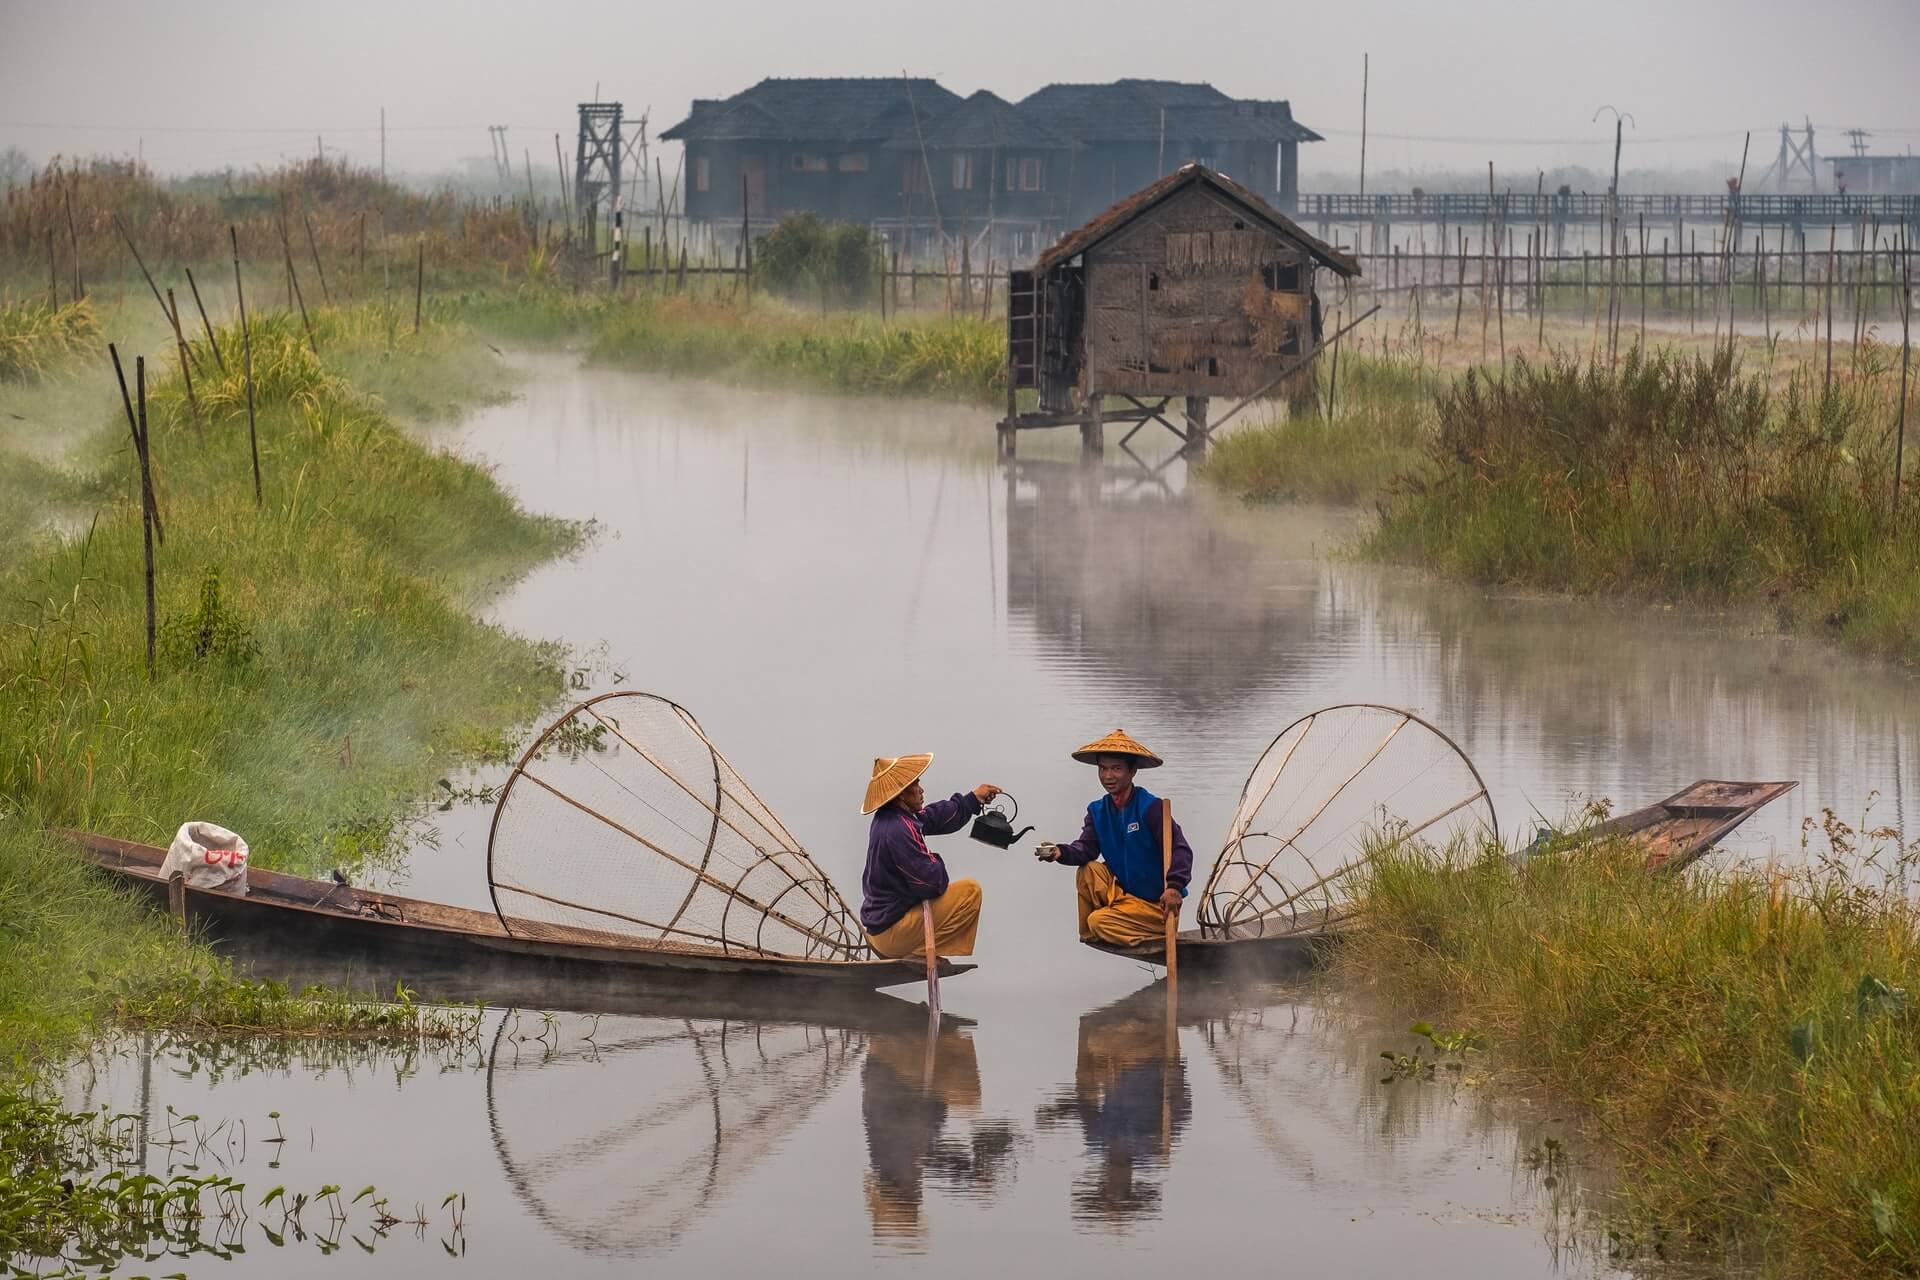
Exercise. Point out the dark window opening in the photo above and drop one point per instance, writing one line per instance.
(1282, 277)
(1153, 282)
(1213, 367)
(1238, 225)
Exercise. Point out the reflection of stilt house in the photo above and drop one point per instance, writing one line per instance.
(1191, 287)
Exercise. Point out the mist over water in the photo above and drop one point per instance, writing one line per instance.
(821, 580)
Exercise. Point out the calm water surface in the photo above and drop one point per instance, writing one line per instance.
(821, 581)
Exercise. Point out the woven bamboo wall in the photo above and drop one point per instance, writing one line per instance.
(1194, 299)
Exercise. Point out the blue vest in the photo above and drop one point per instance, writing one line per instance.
(1132, 852)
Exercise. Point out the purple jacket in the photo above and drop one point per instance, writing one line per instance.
(1087, 847)
(901, 871)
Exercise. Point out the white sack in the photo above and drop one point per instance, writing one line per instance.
(212, 857)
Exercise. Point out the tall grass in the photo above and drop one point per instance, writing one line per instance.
(70, 206)
(1671, 476)
(766, 342)
(1379, 429)
(363, 679)
(954, 357)
(1750, 1045)
(36, 336)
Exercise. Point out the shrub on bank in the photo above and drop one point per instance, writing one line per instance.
(1675, 477)
(811, 260)
(1751, 1044)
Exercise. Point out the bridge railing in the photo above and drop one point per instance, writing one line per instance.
(1588, 206)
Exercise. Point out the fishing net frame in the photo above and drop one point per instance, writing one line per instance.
(1263, 898)
(796, 898)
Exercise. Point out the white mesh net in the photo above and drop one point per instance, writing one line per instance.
(1334, 790)
(624, 823)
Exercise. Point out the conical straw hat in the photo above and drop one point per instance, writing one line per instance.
(891, 776)
(1117, 743)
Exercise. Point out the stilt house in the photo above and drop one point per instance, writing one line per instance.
(1192, 286)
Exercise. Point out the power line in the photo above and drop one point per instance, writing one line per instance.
(307, 130)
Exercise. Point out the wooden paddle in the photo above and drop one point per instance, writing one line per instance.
(1166, 869)
(933, 960)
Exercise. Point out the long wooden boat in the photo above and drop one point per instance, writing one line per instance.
(301, 930)
(1672, 833)
(1689, 822)
(1259, 948)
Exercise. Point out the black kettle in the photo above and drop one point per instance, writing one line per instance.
(996, 828)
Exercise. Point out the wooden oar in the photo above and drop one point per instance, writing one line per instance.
(933, 960)
(1173, 916)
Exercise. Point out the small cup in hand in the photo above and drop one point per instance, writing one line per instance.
(1047, 851)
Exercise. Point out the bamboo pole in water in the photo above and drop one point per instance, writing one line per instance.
(246, 348)
(149, 509)
(147, 502)
(293, 281)
(212, 342)
(73, 242)
(1906, 359)
(313, 247)
(186, 367)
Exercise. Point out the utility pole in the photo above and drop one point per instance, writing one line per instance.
(383, 146)
(1363, 123)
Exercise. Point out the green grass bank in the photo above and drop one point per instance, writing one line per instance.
(766, 343)
(1672, 477)
(1748, 1045)
(318, 664)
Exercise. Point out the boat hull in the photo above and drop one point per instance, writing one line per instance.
(299, 931)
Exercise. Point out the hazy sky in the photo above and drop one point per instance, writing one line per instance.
(209, 83)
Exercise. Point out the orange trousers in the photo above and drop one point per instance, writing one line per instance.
(956, 919)
(1111, 914)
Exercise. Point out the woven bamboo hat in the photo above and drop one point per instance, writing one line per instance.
(1118, 743)
(891, 776)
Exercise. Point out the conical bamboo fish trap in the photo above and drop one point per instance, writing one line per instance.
(624, 823)
(1336, 789)
(620, 1134)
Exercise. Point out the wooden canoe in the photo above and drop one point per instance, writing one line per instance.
(1257, 948)
(310, 930)
(1687, 823)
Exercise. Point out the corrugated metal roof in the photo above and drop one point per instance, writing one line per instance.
(821, 109)
(848, 109)
(984, 120)
(1135, 110)
(1086, 237)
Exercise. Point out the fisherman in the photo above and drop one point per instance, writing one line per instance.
(1126, 884)
(902, 872)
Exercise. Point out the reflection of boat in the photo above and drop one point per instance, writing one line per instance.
(619, 1133)
(1688, 823)
(440, 950)
(1258, 947)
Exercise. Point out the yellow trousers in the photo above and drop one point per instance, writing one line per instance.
(956, 918)
(1111, 914)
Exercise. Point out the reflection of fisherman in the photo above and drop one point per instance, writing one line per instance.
(906, 1087)
(902, 872)
(1131, 1098)
(1126, 894)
